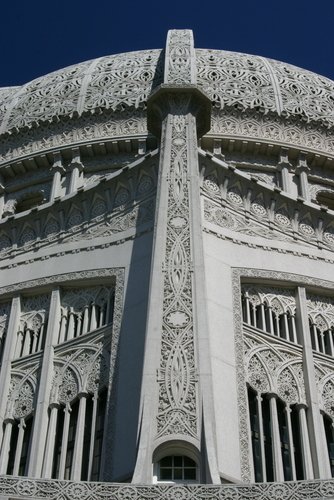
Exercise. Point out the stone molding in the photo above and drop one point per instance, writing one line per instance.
(37, 489)
(68, 132)
(273, 129)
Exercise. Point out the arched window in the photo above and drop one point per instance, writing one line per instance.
(65, 442)
(177, 462)
(328, 424)
(175, 468)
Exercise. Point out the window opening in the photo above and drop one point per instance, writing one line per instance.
(290, 445)
(177, 468)
(260, 314)
(29, 202)
(330, 441)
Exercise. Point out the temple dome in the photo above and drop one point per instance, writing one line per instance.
(232, 80)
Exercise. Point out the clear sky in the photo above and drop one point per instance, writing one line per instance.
(40, 36)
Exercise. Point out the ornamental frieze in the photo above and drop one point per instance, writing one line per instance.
(234, 202)
(125, 205)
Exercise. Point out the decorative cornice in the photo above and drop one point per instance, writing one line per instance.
(50, 489)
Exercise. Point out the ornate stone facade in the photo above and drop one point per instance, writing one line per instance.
(166, 299)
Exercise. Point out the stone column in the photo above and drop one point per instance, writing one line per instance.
(40, 428)
(284, 166)
(50, 442)
(291, 445)
(276, 439)
(57, 169)
(302, 170)
(76, 168)
(305, 442)
(79, 439)
(5, 446)
(2, 195)
(92, 436)
(8, 355)
(317, 444)
(177, 373)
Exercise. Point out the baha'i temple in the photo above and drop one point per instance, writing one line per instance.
(166, 279)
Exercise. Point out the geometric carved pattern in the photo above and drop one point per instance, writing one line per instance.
(218, 70)
(242, 82)
(179, 57)
(84, 370)
(177, 374)
(272, 368)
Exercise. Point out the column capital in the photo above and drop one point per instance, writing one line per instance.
(272, 395)
(179, 94)
(180, 57)
(301, 406)
(284, 160)
(178, 100)
(57, 165)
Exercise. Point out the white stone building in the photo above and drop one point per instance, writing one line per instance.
(166, 279)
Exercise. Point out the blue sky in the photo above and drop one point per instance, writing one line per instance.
(37, 37)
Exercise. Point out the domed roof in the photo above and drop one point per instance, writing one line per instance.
(231, 80)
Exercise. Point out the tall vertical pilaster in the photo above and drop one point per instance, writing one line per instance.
(176, 361)
(43, 397)
(8, 356)
(321, 467)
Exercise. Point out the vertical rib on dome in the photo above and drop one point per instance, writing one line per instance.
(180, 59)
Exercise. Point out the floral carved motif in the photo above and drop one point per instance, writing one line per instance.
(22, 390)
(270, 368)
(84, 369)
